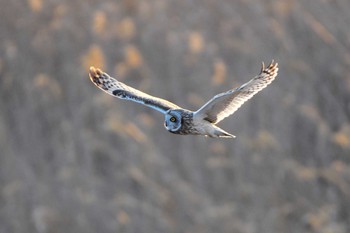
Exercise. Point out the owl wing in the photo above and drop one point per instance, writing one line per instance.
(225, 104)
(118, 89)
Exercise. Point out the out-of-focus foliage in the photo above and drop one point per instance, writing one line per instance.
(74, 159)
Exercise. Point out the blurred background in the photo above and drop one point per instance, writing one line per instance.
(74, 159)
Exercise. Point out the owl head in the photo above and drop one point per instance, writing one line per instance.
(173, 120)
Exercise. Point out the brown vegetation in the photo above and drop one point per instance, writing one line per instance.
(73, 159)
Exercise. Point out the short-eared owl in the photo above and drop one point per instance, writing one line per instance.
(182, 121)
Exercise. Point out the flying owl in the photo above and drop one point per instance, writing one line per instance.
(182, 121)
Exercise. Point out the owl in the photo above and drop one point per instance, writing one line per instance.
(185, 122)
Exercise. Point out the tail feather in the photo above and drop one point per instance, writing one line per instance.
(226, 135)
(220, 133)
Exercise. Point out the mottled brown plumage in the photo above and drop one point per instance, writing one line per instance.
(182, 121)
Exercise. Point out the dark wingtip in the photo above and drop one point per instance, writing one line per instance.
(262, 67)
(95, 75)
(92, 72)
(95, 72)
(272, 68)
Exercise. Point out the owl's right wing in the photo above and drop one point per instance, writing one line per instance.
(225, 104)
(118, 89)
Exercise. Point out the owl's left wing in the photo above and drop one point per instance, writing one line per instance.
(118, 89)
(225, 104)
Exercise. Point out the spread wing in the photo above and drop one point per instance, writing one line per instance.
(225, 104)
(118, 89)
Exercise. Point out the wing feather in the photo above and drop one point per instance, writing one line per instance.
(120, 90)
(225, 104)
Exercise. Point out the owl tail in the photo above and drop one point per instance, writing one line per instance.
(220, 133)
(226, 135)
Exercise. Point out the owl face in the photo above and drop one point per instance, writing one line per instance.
(172, 120)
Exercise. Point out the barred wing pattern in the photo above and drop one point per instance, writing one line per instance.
(225, 104)
(118, 89)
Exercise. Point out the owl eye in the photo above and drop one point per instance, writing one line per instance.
(172, 119)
